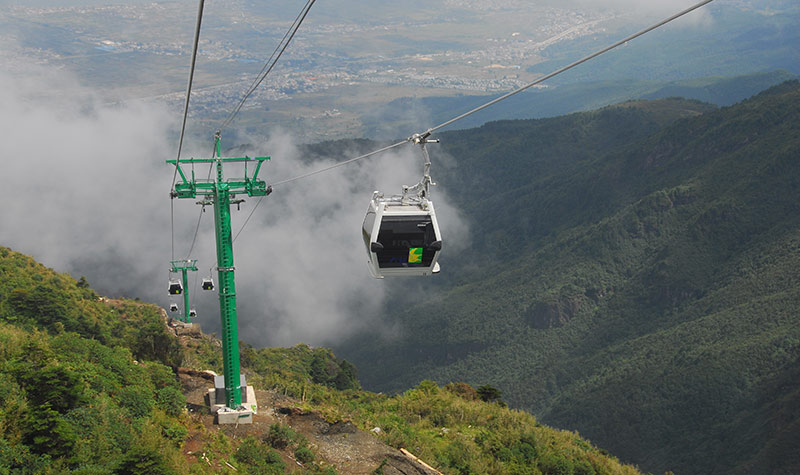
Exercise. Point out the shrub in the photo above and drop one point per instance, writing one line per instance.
(304, 455)
(488, 393)
(555, 464)
(48, 433)
(260, 459)
(137, 400)
(174, 432)
(462, 390)
(428, 387)
(144, 461)
(170, 400)
(280, 436)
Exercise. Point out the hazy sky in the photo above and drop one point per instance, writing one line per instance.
(86, 192)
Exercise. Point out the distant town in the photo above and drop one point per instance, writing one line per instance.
(428, 53)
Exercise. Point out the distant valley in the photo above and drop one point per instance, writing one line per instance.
(632, 276)
(348, 62)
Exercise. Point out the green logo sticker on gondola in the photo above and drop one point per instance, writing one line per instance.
(415, 255)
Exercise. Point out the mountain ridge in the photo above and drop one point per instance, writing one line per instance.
(643, 239)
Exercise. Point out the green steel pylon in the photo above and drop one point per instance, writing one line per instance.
(222, 193)
(184, 267)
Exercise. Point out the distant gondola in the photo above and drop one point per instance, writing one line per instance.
(175, 287)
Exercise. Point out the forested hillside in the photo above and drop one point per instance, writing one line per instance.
(633, 275)
(90, 385)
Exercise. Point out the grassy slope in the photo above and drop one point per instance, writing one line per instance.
(645, 293)
(85, 387)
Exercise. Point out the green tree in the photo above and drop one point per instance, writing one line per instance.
(488, 393)
(48, 433)
(144, 461)
(171, 400)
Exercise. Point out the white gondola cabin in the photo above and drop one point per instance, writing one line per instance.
(192, 313)
(208, 284)
(175, 287)
(173, 307)
(402, 236)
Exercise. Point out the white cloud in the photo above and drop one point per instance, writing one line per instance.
(86, 192)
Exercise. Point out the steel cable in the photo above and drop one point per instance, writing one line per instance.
(506, 96)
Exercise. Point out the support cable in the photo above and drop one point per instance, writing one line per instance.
(265, 70)
(428, 132)
(189, 87)
(248, 218)
(570, 66)
(196, 232)
(270, 62)
(199, 218)
(340, 164)
(314, 173)
(183, 124)
(172, 225)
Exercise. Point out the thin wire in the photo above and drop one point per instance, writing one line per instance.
(183, 125)
(506, 96)
(194, 288)
(202, 211)
(172, 224)
(263, 74)
(266, 65)
(196, 232)
(340, 164)
(570, 66)
(189, 88)
(248, 218)
(313, 173)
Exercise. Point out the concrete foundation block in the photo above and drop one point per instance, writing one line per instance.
(226, 415)
(234, 416)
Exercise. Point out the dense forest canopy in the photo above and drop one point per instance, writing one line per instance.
(632, 275)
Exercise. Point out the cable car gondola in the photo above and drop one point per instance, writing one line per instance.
(173, 307)
(401, 238)
(192, 313)
(175, 287)
(401, 232)
(208, 284)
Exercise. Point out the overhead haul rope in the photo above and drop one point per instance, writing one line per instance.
(282, 45)
(268, 66)
(417, 137)
(185, 115)
(200, 217)
(340, 164)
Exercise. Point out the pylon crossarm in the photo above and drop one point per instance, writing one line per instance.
(178, 266)
(250, 185)
(215, 160)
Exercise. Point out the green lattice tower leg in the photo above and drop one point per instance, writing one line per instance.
(186, 319)
(227, 293)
